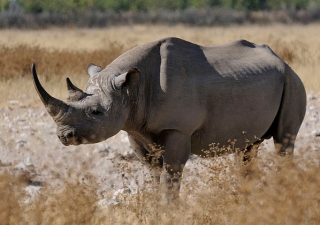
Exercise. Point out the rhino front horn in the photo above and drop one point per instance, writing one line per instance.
(54, 106)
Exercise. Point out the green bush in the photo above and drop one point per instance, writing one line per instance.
(57, 6)
(4, 4)
(289, 4)
(71, 6)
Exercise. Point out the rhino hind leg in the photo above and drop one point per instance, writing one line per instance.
(251, 152)
(290, 115)
(246, 161)
(250, 167)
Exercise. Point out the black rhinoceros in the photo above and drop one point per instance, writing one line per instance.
(183, 97)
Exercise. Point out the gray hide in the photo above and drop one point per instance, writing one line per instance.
(183, 97)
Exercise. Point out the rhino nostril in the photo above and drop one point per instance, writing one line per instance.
(69, 135)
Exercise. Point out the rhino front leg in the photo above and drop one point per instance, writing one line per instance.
(177, 148)
(153, 160)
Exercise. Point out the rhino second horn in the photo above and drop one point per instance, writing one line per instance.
(54, 106)
(75, 94)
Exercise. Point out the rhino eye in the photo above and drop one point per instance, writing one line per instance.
(96, 112)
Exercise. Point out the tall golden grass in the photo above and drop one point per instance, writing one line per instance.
(279, 193)
(16, 60)
(61, 52)
(53, 66)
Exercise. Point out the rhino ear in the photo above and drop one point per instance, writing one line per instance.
(132, 77)
(75, 94)
(93, 69)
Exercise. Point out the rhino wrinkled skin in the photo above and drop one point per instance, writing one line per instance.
(183, 97)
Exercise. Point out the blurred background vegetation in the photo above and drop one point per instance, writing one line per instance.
(67, 6)
(99, 13)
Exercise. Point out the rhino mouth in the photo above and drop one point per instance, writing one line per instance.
(68, 142)
(65, 143)
(69, 139)
(68, 136)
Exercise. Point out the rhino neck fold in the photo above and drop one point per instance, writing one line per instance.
(137, 100)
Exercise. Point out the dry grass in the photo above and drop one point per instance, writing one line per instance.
(66, 205)
(53, 66)
(285, 194)
(280, 193)
(213, 191)
(16, 61)
(61, 52)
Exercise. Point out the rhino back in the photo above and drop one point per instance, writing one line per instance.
(214, 93)
(208, 93)
(145, 57)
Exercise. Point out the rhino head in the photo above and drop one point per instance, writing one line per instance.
(94, 115)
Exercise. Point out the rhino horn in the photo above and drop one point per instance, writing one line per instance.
(54, 106)
(75, 94)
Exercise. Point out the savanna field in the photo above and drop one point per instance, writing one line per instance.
(44, 182)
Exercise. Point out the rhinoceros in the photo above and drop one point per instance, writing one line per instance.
(183, 97)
